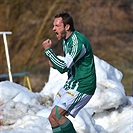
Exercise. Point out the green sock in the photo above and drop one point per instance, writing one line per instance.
(56, 129)
(67, 127)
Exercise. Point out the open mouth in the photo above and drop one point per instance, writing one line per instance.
(56, 33)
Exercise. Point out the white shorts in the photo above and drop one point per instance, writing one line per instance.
(71, 100)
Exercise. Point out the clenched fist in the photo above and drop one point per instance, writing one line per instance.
(47, 44)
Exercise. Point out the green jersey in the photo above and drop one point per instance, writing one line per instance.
(78, 62)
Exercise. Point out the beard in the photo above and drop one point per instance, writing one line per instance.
(61, 35)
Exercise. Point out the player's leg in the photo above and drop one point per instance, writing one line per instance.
(59, 123)
(54, 123)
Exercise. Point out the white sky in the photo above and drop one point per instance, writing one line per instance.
(23, 111)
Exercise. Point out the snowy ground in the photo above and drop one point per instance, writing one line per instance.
(109, 111)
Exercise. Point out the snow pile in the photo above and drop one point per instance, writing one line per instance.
(109, 110)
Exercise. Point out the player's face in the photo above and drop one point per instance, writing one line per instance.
(59, 29)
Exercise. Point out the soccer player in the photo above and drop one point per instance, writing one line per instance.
(79, 64)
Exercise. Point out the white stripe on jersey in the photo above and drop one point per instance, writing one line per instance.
(69, 60)
(75, 46)
(55, 60)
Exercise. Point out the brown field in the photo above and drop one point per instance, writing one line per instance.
(107, 24)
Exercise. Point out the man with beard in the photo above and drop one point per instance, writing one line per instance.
(79, 64)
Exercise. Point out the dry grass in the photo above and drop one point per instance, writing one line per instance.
(107, 24)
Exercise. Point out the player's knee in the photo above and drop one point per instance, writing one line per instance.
(50, 117)
(55, 114)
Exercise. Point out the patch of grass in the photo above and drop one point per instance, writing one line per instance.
(127, 79)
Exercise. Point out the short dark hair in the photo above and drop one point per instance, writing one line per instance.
(67, 19)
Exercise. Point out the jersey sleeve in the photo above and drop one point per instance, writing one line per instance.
(57, 63)
(74, 53)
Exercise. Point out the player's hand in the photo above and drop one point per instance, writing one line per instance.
(47, 44)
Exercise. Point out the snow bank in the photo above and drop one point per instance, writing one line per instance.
(109, 110)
